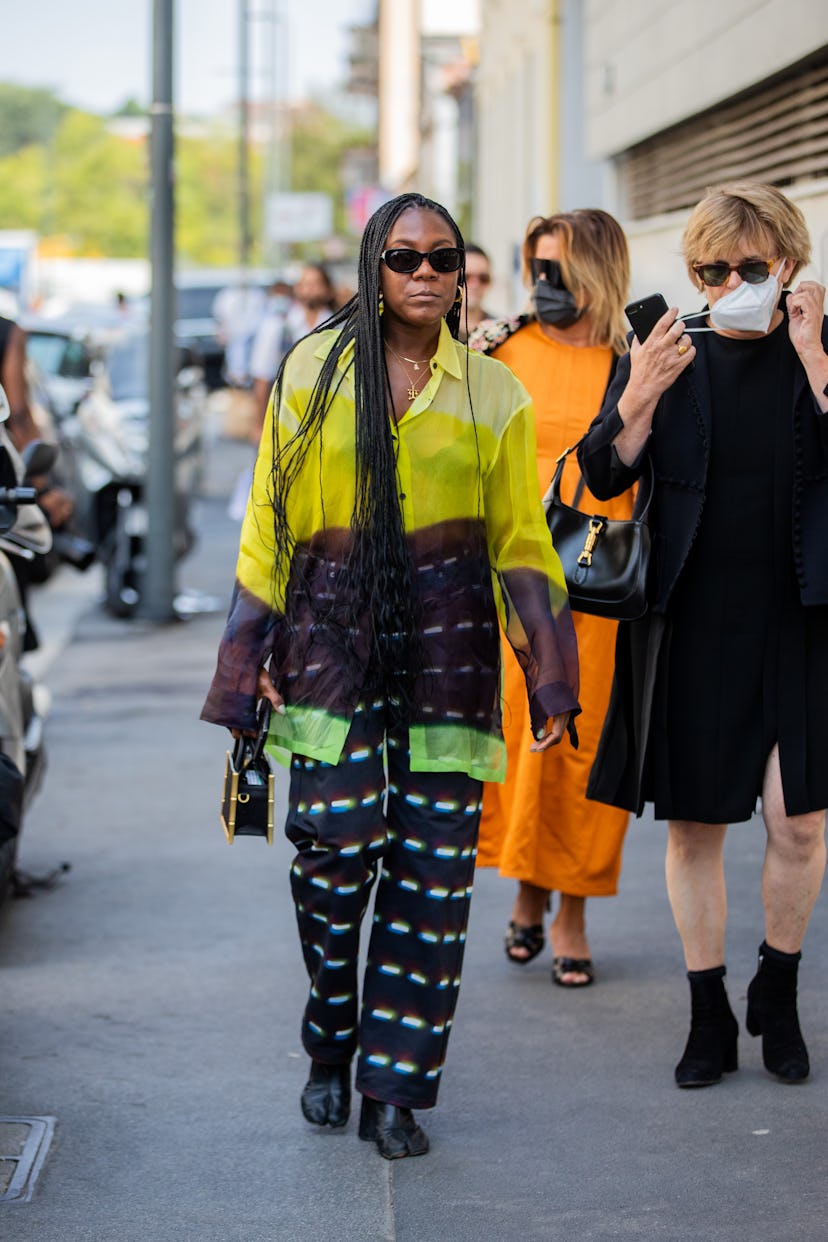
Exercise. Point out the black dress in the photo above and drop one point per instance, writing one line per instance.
(743, 664)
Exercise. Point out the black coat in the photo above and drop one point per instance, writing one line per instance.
(679, 448)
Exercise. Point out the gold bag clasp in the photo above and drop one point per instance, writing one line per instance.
(596, 525)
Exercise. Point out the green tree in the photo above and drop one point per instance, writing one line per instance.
(130, 107)
(207, 212)
(86, 185)
(89, 186)
(100, 188)
(28, 116)
(318, 142)
(22, 182)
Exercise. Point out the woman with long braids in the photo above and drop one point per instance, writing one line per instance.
(395, 517)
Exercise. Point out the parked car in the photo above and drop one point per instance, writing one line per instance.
(63, 353)
(196, 327)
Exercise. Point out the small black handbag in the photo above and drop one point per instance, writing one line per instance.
(248, 794)
(605, 560)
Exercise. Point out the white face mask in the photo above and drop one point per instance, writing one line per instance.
(747, 308)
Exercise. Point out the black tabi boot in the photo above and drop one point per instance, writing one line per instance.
(326, 1098)
(712, 1044)
(772, 1013)
(393, 1129)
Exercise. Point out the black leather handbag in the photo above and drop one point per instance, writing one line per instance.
(248, 794)
(605, 560)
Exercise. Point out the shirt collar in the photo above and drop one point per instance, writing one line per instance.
(445, 355)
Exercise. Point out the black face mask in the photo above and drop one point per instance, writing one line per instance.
(555, 306)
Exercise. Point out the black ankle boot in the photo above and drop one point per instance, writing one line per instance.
(772, 1013)
(711, 1046)
(326, 1097)
(393, 1129)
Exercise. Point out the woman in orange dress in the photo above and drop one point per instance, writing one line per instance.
(538, 827)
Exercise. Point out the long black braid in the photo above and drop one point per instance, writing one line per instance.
(378, 567)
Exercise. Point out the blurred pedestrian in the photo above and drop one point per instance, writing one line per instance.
(270, 344)
(314, 295)
(395, 515)
(475, 290)
(21, 424)
(294, 315)
(22, 427)
(538, 827)
(237, 311)
(720, 691)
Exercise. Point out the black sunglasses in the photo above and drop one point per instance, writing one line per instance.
(752, 271)
(547, 269)
(444, 259)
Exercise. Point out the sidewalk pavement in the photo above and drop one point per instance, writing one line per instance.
(151, 1005)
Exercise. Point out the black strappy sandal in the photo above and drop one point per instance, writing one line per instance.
(572, 966)
(519, 936)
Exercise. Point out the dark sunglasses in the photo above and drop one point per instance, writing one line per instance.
(752, 271)
(547, 269)
(444, 259)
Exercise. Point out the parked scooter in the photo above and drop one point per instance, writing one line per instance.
(105, 447)
(24, 533)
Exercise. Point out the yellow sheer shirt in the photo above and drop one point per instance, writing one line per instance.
(480, 553)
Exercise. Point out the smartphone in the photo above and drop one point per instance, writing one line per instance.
(645, 314)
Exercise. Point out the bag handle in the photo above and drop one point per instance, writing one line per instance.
(642, 500)
(248, 751)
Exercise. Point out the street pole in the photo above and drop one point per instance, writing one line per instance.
(244, 138)
(275, 180)
(159, 580)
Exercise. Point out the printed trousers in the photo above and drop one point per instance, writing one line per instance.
(419, 829)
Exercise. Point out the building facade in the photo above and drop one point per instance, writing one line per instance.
(637, 108)
(677, 100)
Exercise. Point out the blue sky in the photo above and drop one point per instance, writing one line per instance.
(96, 53)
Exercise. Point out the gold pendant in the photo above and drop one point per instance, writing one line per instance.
(416, 366)
(412, 393)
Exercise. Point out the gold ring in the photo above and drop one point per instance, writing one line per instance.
(682, 349)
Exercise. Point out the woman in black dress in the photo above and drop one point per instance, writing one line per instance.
(719, 692)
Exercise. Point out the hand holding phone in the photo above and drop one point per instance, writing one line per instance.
(644, 314)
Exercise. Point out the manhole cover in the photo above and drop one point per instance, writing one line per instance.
(24, 1142)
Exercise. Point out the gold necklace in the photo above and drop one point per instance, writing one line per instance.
(413, 390)
(415, 362)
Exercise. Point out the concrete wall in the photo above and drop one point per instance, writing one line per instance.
(517, 133)
(583, 182)
(635, 68)
(649, 66)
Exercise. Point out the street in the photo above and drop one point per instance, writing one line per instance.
(150, 1003)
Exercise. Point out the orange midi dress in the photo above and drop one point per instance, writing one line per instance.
(538, 826)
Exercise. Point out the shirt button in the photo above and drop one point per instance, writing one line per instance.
(402, 495)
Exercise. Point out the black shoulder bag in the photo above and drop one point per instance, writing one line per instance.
(605, 560)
